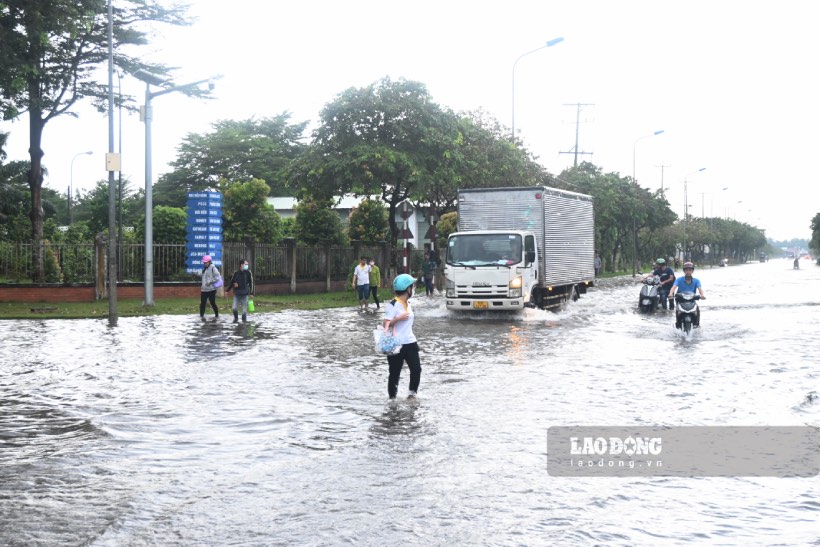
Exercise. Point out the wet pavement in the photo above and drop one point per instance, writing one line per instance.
(166, 430)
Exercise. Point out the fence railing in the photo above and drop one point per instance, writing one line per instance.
(78, 263)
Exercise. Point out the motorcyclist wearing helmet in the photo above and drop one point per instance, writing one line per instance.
(398, 315)
(688, 283)
(667, 277)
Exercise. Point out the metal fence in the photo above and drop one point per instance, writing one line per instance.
(78, 263)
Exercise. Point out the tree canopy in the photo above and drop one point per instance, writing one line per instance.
(51, 50)
(234, 152)
(248, 214)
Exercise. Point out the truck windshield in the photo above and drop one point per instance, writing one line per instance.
(484, 250)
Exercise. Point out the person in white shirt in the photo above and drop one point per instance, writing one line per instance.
(361, 282)
(398, 315)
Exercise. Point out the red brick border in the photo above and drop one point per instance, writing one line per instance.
(135, 291)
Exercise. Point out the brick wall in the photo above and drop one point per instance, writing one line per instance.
(135, 291)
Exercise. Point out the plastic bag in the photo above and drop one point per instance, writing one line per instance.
(250, 305)
(385, 342)
(219, 282)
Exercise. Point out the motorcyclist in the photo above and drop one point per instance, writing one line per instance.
(667, 277)
(687, 283)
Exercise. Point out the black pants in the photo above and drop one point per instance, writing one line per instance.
(374, 292)
(409, 353)
(205, 297)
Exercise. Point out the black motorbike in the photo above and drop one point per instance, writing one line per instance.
(687, 312)
(648, 298)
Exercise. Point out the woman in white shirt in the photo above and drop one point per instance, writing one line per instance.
(398, 315)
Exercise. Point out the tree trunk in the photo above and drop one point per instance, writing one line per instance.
(35, 183)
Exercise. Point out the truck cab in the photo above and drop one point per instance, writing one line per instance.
(490, 270)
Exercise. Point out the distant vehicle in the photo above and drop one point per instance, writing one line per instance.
(763, 257)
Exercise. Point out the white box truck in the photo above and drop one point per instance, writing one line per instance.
(519, 247)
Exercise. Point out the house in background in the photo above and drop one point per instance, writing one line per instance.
(417, 222)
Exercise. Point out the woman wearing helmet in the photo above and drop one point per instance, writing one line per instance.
(211, 280)
(398, 315)
(688, 283)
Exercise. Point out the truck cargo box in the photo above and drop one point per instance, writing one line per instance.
(561, 220)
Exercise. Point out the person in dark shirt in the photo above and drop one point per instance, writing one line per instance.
(667, 278)
(242, 286)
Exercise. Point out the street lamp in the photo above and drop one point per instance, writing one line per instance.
(71, 185)
(147, 115)
(686, 207)
(548, 44)
(635, 180)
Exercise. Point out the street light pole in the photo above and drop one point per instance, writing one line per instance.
(71, 185)
(635, 180)
(119, 183)
(686, 208)
(150, 79)
(548, 44)
(112, 163)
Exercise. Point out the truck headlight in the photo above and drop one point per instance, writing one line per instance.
(449, 288)
(515, 287)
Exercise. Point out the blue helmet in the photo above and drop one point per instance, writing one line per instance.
(402, 282)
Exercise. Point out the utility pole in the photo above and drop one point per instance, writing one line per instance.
(662, 166)
(574, 149)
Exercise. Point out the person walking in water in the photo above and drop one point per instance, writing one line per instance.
(242, 286)
(361, 283)
(398, 315)
(428, 271)
(375, 281)
(211, 280)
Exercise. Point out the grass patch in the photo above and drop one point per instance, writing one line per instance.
(171, 306)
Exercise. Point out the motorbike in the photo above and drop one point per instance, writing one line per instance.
(687, 312)
(648, 299)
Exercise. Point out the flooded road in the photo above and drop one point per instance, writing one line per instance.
(169, 431)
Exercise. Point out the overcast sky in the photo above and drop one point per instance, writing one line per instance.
(733, 85)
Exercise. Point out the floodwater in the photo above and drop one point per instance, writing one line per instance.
(170, 431)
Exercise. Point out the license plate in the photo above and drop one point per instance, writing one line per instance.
(480, 305)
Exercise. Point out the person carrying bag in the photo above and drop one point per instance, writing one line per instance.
(242, 286)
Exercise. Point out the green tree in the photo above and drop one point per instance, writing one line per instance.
(317, 222)
(169, 225)
(483, 158)
(814, 243)
(91, 207)
(235, 151)
(248, 214)
(368, 221)
(51, 52)
(447, 224)
(384, 140)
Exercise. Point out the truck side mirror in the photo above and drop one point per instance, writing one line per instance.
(530, 257)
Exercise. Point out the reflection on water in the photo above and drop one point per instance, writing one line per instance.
(169, 430)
